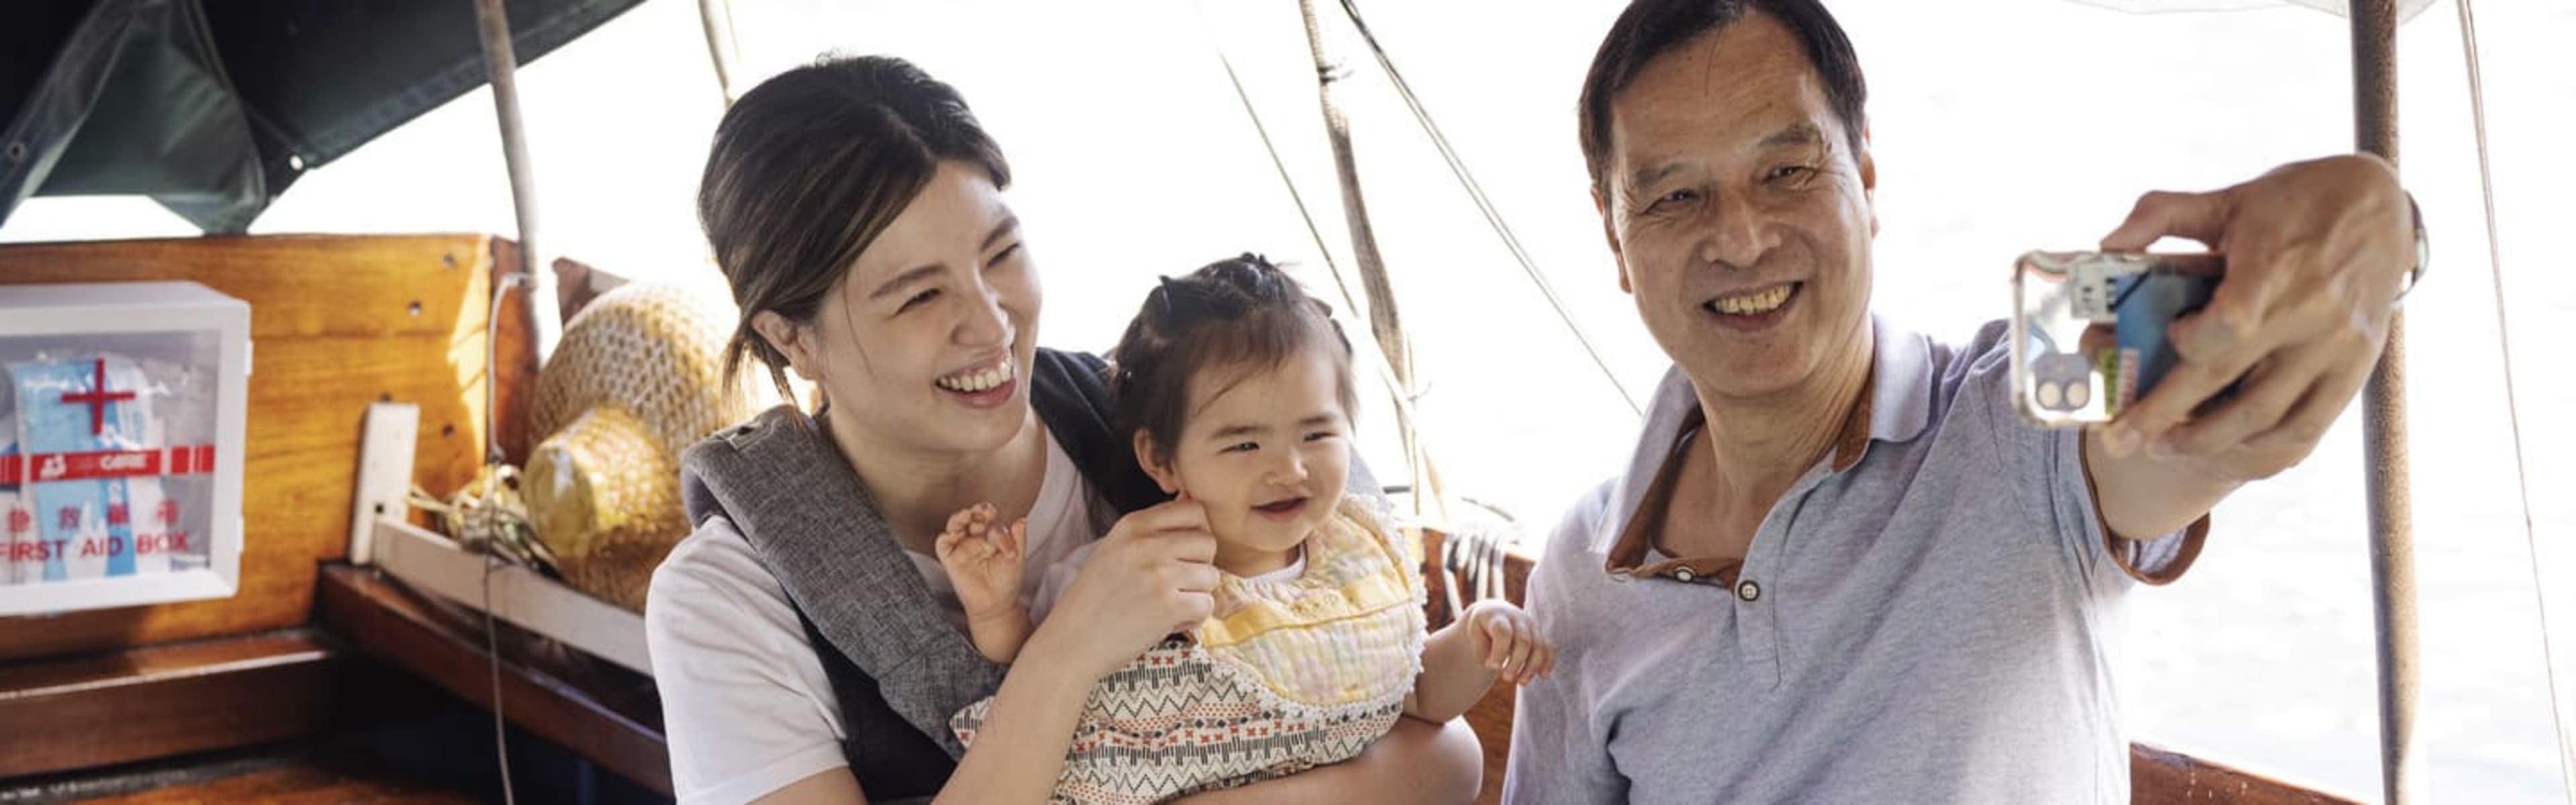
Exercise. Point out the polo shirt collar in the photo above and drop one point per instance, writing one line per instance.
(1896, 407)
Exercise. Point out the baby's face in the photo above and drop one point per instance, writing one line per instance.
(1267, 452)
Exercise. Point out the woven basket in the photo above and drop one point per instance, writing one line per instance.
(606, 500)
(636, 379)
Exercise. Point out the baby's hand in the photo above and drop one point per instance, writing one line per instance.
(983, 559)
(1508, 639)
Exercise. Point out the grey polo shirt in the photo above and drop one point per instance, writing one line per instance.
(1929, 615)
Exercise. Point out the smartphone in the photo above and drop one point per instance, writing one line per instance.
(2088, 329)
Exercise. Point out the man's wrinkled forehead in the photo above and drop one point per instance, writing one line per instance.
(1739, 90)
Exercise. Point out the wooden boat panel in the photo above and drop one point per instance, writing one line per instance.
(2162, 775)
(293, 785)
(310, 771)
(165, 700)
(599, 711)
(298, 285)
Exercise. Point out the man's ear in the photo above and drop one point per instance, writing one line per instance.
(1601, 204)
(1162, 473)
(789, 340)
(1868, 180)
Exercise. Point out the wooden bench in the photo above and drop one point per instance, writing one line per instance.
(297, 776)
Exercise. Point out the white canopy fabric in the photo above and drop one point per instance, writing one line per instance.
(2406, 11)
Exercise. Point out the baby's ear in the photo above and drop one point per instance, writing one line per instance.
(1161, 472)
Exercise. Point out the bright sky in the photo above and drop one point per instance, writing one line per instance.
(1997, 127)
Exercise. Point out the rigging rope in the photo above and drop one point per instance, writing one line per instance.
(1402, 399)
(1278, 164)
(1493, 216)
(2512, 405)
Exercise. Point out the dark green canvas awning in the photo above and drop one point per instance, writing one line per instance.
(213, 107)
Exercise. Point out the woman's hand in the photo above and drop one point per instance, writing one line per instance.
(1150, 577)
(984, 561)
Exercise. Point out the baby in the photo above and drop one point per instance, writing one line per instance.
(1236, 386)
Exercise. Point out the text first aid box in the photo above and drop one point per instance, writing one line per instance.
(122, 410)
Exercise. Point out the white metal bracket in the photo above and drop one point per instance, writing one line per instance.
(436, 564)
(380, 534)
(392, 432)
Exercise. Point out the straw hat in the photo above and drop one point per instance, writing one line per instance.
(636, 379)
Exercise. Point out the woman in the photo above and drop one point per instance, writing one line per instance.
(804, 639)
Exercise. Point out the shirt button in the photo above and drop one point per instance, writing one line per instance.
(1748, 591)
(1684, 573)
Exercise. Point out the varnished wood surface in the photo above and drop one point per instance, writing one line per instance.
(303, 773)
(2159, 775)
(292, 785)
(597, 710)
(159, 701)
(516, 340)
(298, 285)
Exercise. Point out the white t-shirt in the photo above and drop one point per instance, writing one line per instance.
(745, 704)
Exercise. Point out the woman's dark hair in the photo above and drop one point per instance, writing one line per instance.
(810, 167)
(1238, 312)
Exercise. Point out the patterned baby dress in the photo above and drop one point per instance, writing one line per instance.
(1293, 674)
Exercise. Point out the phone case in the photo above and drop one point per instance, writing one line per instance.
(2088, 329)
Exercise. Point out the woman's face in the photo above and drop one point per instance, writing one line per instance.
(927, 340)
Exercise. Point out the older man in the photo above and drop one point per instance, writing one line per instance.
(1839, 568)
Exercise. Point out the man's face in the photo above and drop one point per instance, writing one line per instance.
(1740, 216)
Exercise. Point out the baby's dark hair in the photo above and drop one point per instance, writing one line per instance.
(1237, 312)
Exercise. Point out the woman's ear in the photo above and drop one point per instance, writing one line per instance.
(789, 340)
(1162, 473)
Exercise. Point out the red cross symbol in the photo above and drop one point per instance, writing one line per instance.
(169, 512)
(97, 398)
